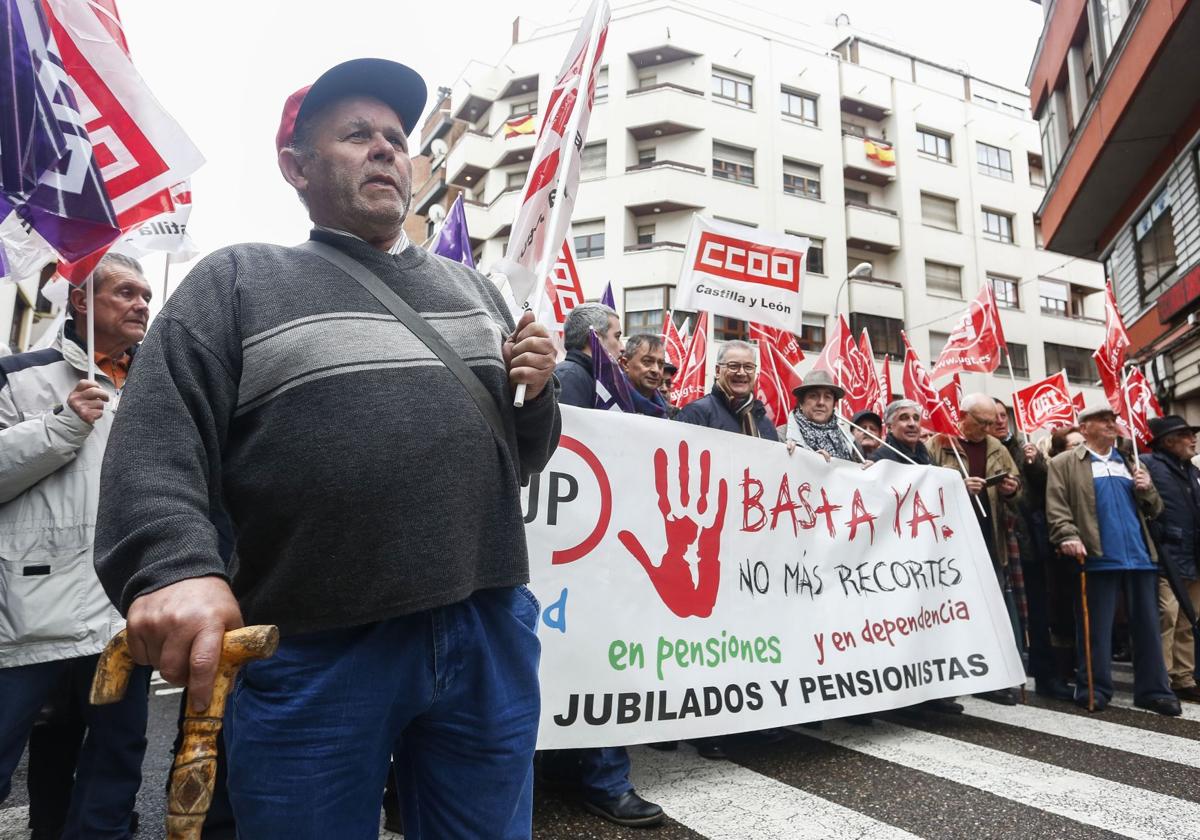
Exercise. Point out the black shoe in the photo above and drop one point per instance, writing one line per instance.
(943, 705)
(1003, 696)
(711, 750)
(627, 809)
(1167, 706)
(766, 736)
(1054, 687)
(1189, 693)
(1099, 706)
(1122, 653)
(664, 746)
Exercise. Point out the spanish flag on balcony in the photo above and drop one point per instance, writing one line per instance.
(518, 126)
(882, 153)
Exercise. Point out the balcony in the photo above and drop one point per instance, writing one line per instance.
(865, 93)
(858, 167)
(653, 264)
(470, 159)
(661, 110)
(661, 187)
(870, 228)
(430, 192)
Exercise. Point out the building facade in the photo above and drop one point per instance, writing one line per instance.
(1113, 87)
(773, 124)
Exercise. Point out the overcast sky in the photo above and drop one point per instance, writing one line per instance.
(224, 68)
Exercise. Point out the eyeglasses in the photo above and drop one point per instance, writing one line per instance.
(739, 367)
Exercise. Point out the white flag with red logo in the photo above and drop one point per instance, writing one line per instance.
(166, 233)
(544, 214)
(676, 347)
(1045, 404)
(689, 383)
(563, 290)
(782, 340)
(777, 379)
(976, 341)
(918, 387)
(742, 272)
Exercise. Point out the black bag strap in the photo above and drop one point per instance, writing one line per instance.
(419, 327)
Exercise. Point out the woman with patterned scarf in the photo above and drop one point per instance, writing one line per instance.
(813, 423)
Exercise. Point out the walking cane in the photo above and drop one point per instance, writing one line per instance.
(1087, 636)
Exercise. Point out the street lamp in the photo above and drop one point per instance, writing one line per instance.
(861, 271)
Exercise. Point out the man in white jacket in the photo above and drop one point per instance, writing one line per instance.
(54, 616)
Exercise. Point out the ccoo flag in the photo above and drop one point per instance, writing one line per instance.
(544, 213)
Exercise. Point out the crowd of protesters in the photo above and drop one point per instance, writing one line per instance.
(399, 632)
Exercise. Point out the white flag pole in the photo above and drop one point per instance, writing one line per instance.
(1129, 411)
(881, 441)
(963, 469)
(91, 327)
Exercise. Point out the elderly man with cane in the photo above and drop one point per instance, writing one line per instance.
(1098, 504)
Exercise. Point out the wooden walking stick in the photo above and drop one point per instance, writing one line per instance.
(194, 773)
(1087, 636)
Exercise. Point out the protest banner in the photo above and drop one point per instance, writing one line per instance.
(695, 582)
(744, 273)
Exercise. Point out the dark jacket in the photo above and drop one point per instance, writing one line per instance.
(578, 383)
(919, 454)
(714, 412)
(1178, 527)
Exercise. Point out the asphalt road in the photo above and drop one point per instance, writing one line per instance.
(1044, 769)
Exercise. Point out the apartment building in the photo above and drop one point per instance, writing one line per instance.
(1113, 86)
(771, 123)
(24, 314)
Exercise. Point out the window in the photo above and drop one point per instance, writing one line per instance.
(858, 197)
(593, 160)
(1076, 361)
(644, 309)
(1054, 298)
(733, 88)
(994, 161)
(943, 279)
(518, 109)
(815, 263)
(939, 212)
(937, 343)
(733, 163)
(1037, 173)
(1019, 354)
(515, 180)
(934, 144)
(602, 85)
(647, 156)
(646, 79)
(1038, 240)
(997, 226)
(645, 234)
(884, 332)
(802, 179)
(1007, 291)
(812, 334)
(729, 329)
(854, 129)
(802, 106)
(1155, 234)
(589, 238)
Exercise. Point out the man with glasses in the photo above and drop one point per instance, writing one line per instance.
(986, 458)
(731, 406)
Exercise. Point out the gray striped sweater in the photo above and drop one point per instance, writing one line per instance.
(361, 480)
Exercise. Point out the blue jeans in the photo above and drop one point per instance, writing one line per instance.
(1141, 603)
(452, 692)
(109, 770)
(601, 772)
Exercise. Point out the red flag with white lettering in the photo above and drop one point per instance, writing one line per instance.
(689, 382)
(1045, 404)
(859, 378)
(783, 341)
(675, 345)
(975, 342)
(544, 214)
(1140, 401)
(835, 350)
(951, 395)
(1116, 340)
(776, 381)
(919, 388)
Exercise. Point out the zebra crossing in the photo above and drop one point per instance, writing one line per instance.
(1043, 769)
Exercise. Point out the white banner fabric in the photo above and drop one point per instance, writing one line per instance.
(743, 272)
(695, 582)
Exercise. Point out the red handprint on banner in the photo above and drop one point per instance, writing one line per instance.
(687, 523)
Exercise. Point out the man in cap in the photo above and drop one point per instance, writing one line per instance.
(1098, 505)
(668, 380)
(813, 423)
(867, 421)
(1178, 530)
(373, 491)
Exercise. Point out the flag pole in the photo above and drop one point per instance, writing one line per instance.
(881, 441)
(91, 326)
(1128, 411)
(166, 275)
(963, 469)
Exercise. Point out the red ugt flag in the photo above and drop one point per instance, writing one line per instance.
(783, 341)
(776, 381)
(689, 382)
(1140, 401)
(951, 395)
(1116, 340)
(975, 343)
(919, 388)
(676, 347)
(886, 381)
(1045, 404)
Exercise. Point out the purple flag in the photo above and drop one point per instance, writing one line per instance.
(613, 391)
(452, 240)
(607, 297)
(48, 174)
